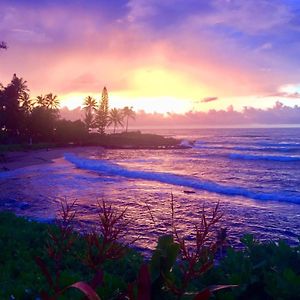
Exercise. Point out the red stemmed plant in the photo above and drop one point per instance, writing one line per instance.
(60, 242)
(197, 258)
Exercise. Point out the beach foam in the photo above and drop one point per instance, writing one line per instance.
(186, 143)
(112, 169)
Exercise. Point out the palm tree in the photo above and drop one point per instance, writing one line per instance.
(128, 112)
(115, 117)
(90, 106)
(52, 101)
(25, 102)
(11, 112)
(20, 85)
(41, 101)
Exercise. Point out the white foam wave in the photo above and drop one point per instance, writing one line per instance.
(264, 157)
(186, 143)
(178, 180)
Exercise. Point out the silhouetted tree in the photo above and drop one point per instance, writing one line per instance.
(116, 118)
(70, 131)
(52, 101)
(41, 101)
(128, 112)
(102, 113)
(22, 118)
(2, 110)
(11, 114)
(26, 102)
(90, 107)
(90, 104)
(42, 124)
(26, 106)
(20, 85)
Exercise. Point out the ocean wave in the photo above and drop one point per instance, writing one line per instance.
(264, 157)
(186, 143)
(248, 148)
(281, 144)
(267, 149)
(179, 180)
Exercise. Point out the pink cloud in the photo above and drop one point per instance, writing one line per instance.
(278, 114)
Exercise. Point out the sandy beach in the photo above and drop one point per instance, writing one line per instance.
(21, 159)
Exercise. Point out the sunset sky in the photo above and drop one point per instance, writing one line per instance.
(156, 55)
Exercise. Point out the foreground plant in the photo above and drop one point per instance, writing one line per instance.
(59, 244)
(105, 244)
(174, 265)
(101, 246)
(196, 259)
(269, 270)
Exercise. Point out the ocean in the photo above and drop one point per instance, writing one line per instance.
(254, 174)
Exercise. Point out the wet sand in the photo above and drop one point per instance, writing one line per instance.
(20, 159)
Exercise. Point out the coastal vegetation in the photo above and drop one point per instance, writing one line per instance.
(27, 121)
(55, 262)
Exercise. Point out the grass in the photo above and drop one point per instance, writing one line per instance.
(21, 241)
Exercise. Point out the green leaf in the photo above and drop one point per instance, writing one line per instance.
(164, 256)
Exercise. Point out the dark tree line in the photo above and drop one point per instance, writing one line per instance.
(24, 119)
(27, 120)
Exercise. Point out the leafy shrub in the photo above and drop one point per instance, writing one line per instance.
(269, 270)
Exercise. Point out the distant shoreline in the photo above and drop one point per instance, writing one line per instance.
(23, 155)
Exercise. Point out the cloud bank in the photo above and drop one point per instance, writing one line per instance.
(277, 115)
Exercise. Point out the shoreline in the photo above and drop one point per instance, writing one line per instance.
(20, 159)
(25, 156)
(13, 160)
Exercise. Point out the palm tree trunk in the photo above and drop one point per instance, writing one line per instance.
(114, 128)
(127, 124)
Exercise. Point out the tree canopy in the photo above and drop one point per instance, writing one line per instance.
(101, 119)
(24, 118)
